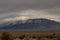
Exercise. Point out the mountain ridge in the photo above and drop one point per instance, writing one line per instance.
(33, 24)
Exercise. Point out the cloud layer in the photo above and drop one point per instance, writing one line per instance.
(31, 8)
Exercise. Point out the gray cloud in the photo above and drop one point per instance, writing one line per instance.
(14, 8)
(16, 5)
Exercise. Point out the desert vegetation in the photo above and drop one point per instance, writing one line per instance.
(29, 35)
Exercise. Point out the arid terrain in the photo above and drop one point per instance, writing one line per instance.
(29, 35)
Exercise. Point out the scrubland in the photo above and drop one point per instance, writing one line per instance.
(29, 35)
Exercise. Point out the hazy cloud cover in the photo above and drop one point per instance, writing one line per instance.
(10, 9)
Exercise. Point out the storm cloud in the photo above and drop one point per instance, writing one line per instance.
(31, 8)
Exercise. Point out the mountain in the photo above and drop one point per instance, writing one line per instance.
(31, 25)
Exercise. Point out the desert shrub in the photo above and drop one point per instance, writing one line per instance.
(11, 37)
(58, 38)
(39, 38)
(22, 36)
(33, 37)
(55, 35)
(6, 36)
(51, 36)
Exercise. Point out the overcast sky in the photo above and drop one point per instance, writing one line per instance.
(49, 9)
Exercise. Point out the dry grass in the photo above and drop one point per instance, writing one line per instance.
(29, 35)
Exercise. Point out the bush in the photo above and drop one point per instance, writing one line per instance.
(6, 36)
(22, 36)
